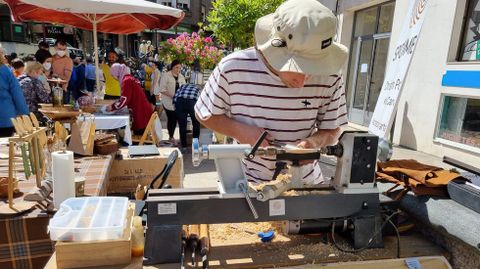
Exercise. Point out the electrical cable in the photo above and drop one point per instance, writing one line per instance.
(397, 232)
(375, 234)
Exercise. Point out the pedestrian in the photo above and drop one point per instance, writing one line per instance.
(132, 97)
(155, 98)
(184, 102)
(77, 81)
(42, 47)
(45, 58)
(12, 101)
(33, 89)
(169, 84)
(142, 51)
(147, 71)
(62, 66)
(90, 76)
(10, 59)
(112, 86)
(18, 67)
(290, 85)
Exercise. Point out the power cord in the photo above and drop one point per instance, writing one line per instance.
(397, 232)
(375, 234)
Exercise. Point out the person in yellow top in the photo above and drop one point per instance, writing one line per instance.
(148, 71)
(112, 86)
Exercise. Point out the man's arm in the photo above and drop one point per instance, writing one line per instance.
(243, 133)
(321, 138)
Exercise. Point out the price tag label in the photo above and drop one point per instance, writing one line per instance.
(167, 209)
(413, 263)
(277, 207)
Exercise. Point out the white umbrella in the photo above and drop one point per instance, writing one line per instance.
(108, 16)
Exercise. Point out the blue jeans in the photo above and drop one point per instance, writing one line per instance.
(183, 108)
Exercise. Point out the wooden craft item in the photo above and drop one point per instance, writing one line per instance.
(27, 134)
(36, 124)
(149, 132)
(61, 133)
(59, 112)
(26, 161)
(31, 158)
(103, 138)
(82, 137)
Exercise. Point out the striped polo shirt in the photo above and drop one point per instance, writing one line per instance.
(244, 89)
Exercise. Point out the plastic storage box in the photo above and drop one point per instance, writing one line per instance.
(89, 219)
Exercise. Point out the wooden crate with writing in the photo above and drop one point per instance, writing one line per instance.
(127, 173)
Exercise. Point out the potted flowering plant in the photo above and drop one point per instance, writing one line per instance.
(191, 49)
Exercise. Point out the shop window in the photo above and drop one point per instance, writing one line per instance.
(366, 22)
(181, 4)
(470, 46)
(460, 121)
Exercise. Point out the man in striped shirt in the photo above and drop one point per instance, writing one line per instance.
(289, 85)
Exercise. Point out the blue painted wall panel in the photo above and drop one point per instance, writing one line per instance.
(459, 78)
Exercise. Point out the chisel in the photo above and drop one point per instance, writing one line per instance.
(204, 245)
(193, 240)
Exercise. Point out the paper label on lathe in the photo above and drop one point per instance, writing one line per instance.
(277, 207)
(167, 209)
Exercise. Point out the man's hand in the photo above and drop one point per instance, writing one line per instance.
(250, 136)
(306, 143)
(319, 139)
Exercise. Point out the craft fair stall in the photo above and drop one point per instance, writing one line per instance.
(24, 240)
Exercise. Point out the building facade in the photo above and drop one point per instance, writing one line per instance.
(439, 108)
(20, 36)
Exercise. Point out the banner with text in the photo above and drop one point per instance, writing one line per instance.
(386, 107)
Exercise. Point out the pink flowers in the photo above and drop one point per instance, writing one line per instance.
(191, 48)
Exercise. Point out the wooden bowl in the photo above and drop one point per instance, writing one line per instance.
(88, 109)
(58, 113)
(4, 187)
(50, 106)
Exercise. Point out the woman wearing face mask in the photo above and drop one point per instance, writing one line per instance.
(132, 96)
(12, 102)
(33, 88)
(169, 84)
(45, 58)
(155, 90)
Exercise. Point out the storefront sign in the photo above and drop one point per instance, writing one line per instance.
(54, 30)
(386, 107)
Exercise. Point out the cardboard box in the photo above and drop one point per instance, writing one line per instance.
(127, 173)
(97, 253)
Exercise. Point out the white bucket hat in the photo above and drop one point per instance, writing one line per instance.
(298, 37)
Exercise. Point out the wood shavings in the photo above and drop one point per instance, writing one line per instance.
(234, 234)
(280, 178)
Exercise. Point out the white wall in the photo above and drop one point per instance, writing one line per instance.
(418, 109)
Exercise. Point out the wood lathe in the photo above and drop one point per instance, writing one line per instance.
(349, 202)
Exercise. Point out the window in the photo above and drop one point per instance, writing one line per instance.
(470, 46)
(460, 121)
(181, 4)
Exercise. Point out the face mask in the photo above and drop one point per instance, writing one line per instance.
(61, 53)
(47, 65)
